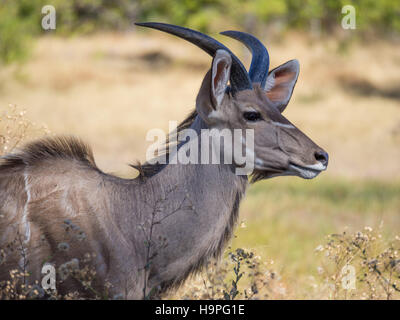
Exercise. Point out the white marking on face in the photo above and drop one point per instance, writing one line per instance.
(318, 166)
(308, 171)
(215, 114)
(283, 125)
(307, 174)
(249, 109)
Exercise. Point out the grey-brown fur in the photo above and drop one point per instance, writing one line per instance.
(109, 210)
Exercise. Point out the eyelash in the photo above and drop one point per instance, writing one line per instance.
(252, 116)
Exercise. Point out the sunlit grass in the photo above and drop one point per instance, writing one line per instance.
(287, 218)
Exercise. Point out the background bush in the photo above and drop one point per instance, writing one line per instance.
(20, 19)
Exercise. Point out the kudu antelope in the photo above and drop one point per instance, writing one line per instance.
(157, 229)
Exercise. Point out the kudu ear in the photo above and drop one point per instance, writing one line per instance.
(280, 83)
(220, 73)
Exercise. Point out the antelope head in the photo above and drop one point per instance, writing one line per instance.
(230, 97)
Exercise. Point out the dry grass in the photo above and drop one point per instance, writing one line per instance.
(374, 261)
(80, 270)
(16, 128)
(360, 265)
(240, 275)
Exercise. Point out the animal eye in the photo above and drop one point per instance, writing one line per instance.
(252, 116)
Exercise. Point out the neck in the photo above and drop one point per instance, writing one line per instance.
(195, 208)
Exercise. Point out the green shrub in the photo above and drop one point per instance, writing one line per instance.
(20, 20)
(17, 27)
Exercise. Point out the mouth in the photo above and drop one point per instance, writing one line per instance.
(307, 172)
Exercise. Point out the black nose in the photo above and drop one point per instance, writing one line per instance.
(322, 157)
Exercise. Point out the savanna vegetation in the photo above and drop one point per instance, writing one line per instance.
(20, 21)
(296, 239)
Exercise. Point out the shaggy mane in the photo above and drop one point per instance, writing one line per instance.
(62, 147)
(146, 169)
